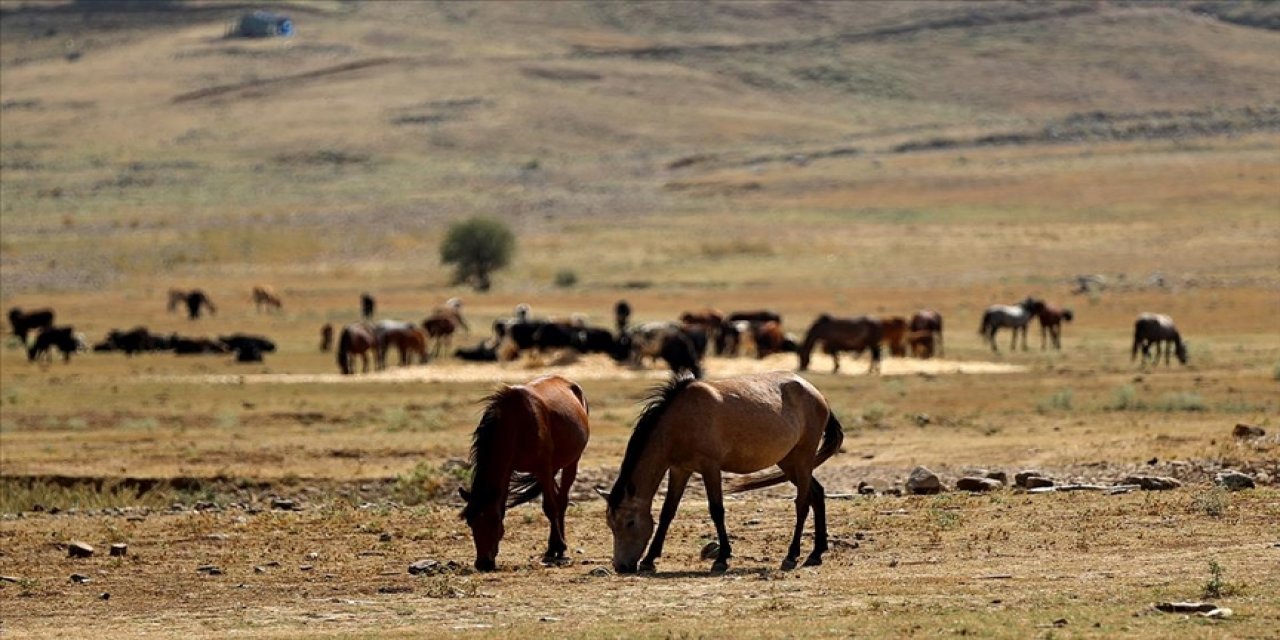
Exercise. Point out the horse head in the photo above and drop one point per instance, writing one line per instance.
(484, 517)
(631, 522)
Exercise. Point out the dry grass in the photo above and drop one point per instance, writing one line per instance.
(328, 164)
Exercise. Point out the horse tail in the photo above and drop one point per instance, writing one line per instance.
(832, 439)
(344, 346)
(524, 487)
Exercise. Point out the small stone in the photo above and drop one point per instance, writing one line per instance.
(209, 569)
(1234, 480)
(80, 578)
(893, 491)
(600, 572)
(1020, 478)
(119, 549)
(1060, 622)
(104, 596)
(923, 482)
(77, 549)
(283, 504)
(978, 485)
(314, 555)
(1220, 612)
(305, 567)
(999, 476)
(1153, 483)
(385, 537)
(1246, 431)
(428, 567)
(1037, 482)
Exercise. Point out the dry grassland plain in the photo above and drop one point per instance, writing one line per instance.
(806, 157)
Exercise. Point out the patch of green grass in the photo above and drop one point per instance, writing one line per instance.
(1180, 401)
(1213, 502)
(426, 482)
(1061, 400)
(1126, 399)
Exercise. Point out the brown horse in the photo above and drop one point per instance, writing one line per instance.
(326, 337)
(407, 341)
(264, 295)
(1051, 318)
(440, 327)
(740, 425)
(355, 340)
(894, 330)
(177, 297)
(927, 320)
(854, 334)
(709, 319)
(527, 434)
(920, 343)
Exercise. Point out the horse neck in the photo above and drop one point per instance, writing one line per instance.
(496, 450)
(806, 349)
(649, 470)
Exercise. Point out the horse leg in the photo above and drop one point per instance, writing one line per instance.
(553, 509)
(677, 480)
(567, 476)
(1043, 335)
(991, 337)
(875, 359)
(819, 503)
(835, 361)
(1057, 337)
(715, 504)
(803, 486)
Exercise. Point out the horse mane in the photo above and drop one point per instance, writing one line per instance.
(656, 404)
(524, 487)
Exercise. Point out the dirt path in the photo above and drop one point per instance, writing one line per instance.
(593, 367)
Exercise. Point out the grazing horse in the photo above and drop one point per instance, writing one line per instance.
(709, 320)
(407, 340)
(930, 321)
(441, 325)
(383, 330)
(855, 334)
(894, 330)
(1016, 317)
(920, 343)
(355, 340)
(1051, 318)
(770, 339)
(1157, 329)
(25, 322)
(266, 296)
(196, 299)
(527, 434)
(621, 315)
(326, 337)
(177, 298)
(64, 338)
(740, 425)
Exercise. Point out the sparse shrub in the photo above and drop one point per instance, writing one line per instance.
(1126, 399)
(446, 585)
(566, 278)
(426, 481)
(875, 413)
(1060, 401)
(1212, 503)
(1182, 401)
(1217, 587)
(477, 247)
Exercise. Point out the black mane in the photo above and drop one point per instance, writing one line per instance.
(656, 404)
(482, 441)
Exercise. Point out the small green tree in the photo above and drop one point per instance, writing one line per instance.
(477, 247)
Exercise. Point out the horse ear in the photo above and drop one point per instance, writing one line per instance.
(466, 495)
(603, 494)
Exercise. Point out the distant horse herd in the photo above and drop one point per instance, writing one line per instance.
(682, 344)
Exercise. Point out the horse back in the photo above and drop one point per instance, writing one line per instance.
(556, 410)
(744, 424)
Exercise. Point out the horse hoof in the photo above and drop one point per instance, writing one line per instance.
(813, 561)
(557, 560)
(719, 568)
(788, 564)
(647, 567)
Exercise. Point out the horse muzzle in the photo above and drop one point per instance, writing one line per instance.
(486, 564)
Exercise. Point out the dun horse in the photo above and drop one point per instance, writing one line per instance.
(527, 434)
(740, 425)
(855, 334)
(1157, 329)
(407, 341)
(355, 340)
(264, 295)
(1016, 317)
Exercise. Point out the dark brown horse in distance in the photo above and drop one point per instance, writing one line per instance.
(926, 320)
(527, 435)
(24, 322)
(894, 329)
(1051, 318)
(740, 425)
(355, 340)
(855, 334)
(443, 323)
